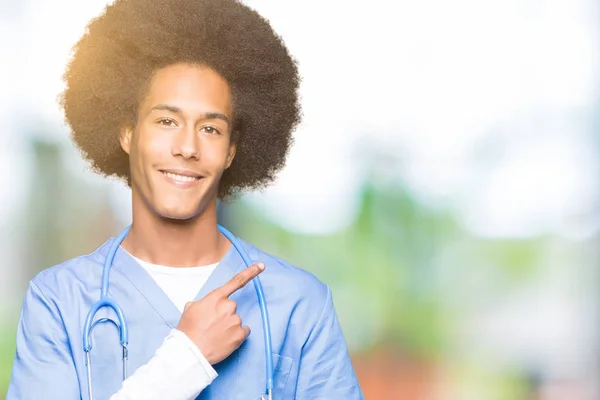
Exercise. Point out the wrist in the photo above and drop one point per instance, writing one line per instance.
(198, 346)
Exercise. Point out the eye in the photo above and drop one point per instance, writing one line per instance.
(211, 130)
(166, 122)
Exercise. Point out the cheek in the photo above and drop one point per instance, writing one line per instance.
(215, 155)
(151, 147)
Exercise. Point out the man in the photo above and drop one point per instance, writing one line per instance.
(188, 101)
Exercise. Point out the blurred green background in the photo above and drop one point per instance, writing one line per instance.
(444, 183)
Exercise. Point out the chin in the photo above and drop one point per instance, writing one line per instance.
(180, 215)
(181, 208)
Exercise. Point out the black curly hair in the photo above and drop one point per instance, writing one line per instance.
(112, 65)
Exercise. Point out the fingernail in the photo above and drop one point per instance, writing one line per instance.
(261, 266)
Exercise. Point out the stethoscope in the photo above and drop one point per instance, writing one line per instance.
(106, 301)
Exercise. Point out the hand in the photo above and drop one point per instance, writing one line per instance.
(212, 324)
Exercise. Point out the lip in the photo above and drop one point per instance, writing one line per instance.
(182, 172)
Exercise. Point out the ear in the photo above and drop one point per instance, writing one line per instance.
(231, 155)
(125, 138)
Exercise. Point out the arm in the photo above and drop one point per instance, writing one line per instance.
(177, 371)
(207, 333)
(180, 369)
(43, 367)
(326, 371)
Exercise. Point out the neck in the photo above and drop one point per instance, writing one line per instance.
(161, 241)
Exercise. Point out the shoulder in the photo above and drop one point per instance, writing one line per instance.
(56, 279)
(292, 281)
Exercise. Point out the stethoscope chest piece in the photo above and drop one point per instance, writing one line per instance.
(268, 396)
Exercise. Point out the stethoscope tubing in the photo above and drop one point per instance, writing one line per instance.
(106, 301)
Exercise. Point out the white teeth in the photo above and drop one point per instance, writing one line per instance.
(180, 178)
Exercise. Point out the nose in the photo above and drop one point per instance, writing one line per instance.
(186, 144)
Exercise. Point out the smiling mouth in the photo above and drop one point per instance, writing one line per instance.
(181, 178)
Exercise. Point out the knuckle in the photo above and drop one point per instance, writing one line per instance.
(237, 320)
(240, 279)
(232, 306)
(212, 296)
(228, 306)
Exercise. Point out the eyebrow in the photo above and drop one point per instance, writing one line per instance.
(177, 110)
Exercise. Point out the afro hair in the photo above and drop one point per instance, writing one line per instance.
(113, 63)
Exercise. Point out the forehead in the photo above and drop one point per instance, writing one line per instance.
(192, 88)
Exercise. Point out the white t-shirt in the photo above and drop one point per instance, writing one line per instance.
(178, 370)
(179, 284)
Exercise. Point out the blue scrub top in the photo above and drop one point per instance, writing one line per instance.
(310, 357)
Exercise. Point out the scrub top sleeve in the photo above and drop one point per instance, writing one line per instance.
(325, 370)
(43, 367)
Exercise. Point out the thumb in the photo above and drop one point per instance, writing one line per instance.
(187, 305)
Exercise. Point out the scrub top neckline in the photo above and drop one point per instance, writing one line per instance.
(139, 278)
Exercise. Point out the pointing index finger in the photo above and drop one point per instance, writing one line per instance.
(241, 279)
